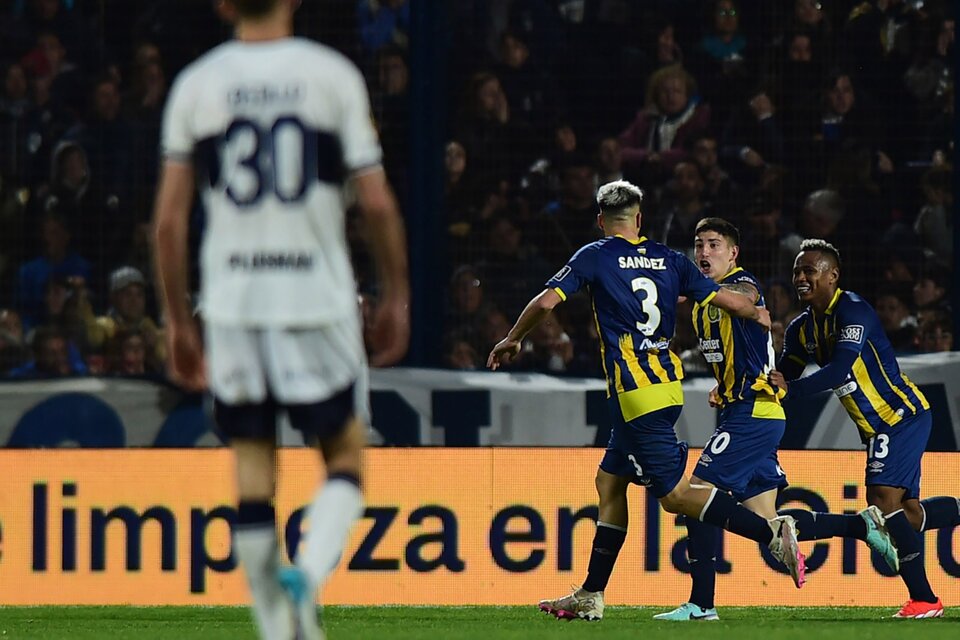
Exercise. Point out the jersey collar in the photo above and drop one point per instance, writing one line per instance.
(833, 302)
(639, 240)
(731, 272)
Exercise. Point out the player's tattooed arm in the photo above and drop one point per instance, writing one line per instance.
(745, 288)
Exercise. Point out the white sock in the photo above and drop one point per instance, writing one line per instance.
(330, 516)
(257, 549)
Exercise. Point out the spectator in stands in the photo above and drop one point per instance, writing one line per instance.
(893, 308)
(931, 289)
(466, 299)
(609, 160)
(550, 348)
(781, 301)
(126, 354)
(51, 357)
(723, 61)
(529, 87)
(676, 228)
(58, 258)
(659, 136)
(935, 334)
(13, 347)
(719, 189)
(492, 324)
(459, 352)
(128, 312)
(383, 22)
(391, 104)
(753, 137)
(513, 270)
(935, 222)
(568, 223)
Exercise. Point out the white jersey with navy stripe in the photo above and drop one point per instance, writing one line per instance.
(273, 129)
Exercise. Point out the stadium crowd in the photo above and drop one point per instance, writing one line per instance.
(791, 118)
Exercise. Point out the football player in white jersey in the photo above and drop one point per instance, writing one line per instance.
(270, 128)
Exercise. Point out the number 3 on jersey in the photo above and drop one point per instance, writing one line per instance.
(257, 161)
(648, 304)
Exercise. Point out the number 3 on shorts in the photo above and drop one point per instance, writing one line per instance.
(636, 465)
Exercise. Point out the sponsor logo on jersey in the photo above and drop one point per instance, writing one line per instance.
(846, 389)
(647, 343)
(277, 261)
(713, 357)
(852, 333)
(810, 347)
(560, 275)
(642, 262)
(705, 459)
(875, 467)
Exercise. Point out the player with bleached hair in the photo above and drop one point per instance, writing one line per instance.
(272, 128)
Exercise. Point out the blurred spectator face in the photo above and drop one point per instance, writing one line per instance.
(565, 139)
(462, 356)
(467, 292)
(765, 221)
(840, 97)
(147, 53)
(52, 357)
(687, 183)
(935, 337)
(725, 18)
(15, 84)
(133, 354)
(505, 237)
(106, 101)
(926, 292)
(666, 45)
(52, 50)
(495, 327)
(609, 156)
(130, 302)
(705, 153)
(55, 238)
(779, 300)
(672, 95)
(513, 51)
(491, 99)
(800, 48)
(394, 75)
(454, 160)
(55, 296)
(11, 324)
(74, 168)
(892, 312)
(578, 184)
(897, 271)
(808, 12)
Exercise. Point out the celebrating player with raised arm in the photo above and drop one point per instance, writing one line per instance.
(270, 127)
(741, 455)
(635, 283)
(841, 333)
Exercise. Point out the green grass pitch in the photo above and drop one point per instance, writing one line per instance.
(468, 623)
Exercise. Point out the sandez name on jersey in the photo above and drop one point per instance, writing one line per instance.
(273, 130)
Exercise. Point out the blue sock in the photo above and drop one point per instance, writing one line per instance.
(703, 541)
(909, 548)
(725, 512)
(606, 546)
(941, 512)
(818, 526)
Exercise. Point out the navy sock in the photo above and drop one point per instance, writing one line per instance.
(940, 513)
(726, 513)
(912, 571)
(703, 541)
(252, 513)
(606, 546)
(818, 526)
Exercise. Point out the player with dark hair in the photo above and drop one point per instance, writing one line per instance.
(840, 332)
(741, 455)
(635, 283)
(271, 127)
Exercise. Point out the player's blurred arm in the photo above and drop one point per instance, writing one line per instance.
(533, 314)
(829, 377)
(390, 332)
(171, 227)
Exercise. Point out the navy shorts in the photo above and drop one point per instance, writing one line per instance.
(894, 454)
(741, 455)
(646, 449)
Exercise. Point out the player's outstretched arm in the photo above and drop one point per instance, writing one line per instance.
(533, 314)
(741, 306)
(390, 330)
(171, 227)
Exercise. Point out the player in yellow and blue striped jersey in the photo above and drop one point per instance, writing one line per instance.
(840, 332)
(741, 455)
(634, 284)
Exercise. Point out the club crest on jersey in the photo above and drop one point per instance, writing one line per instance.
(851, 333)
(713, 313)
(560, 275)
(810, 347)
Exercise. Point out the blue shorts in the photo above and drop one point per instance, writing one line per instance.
(741, 455)
(646, 449)
(894, 454)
